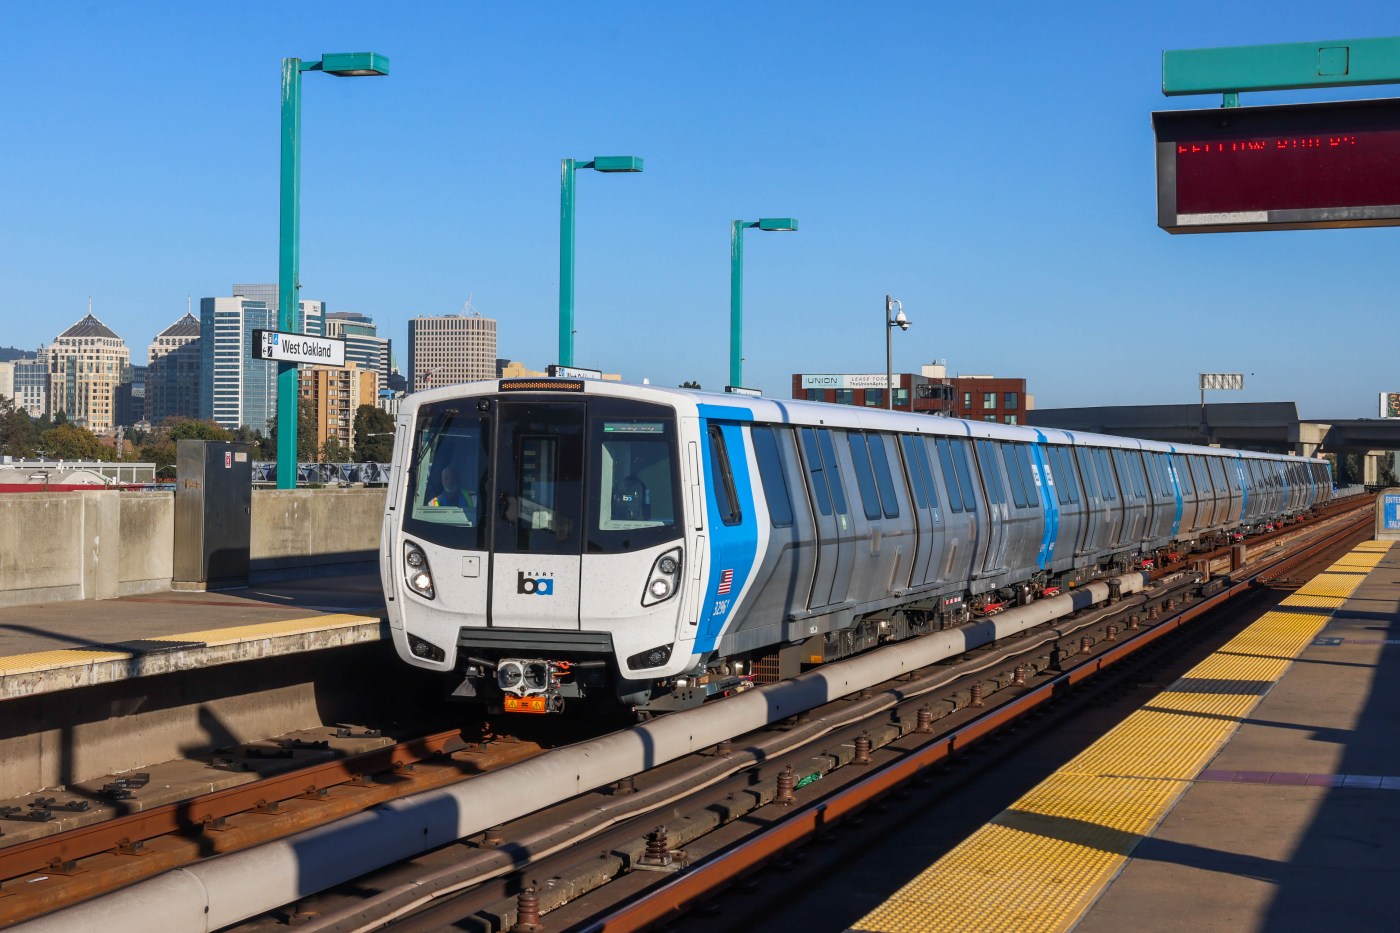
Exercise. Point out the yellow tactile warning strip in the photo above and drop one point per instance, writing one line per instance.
(81, 657)
(1039, 865)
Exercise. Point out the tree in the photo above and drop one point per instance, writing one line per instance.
(247, 434)
(190, 429)
(18, 434)
(306, 432)
(333, 451)
(374, 434)
(70, 442)
(690, 384)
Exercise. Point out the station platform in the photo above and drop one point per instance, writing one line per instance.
(60, 646)
(1255, 793)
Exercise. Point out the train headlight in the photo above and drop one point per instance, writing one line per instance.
(664, 579)
(425, 649)
(420, 575)
(653, 658)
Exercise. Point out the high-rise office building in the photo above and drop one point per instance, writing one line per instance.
(312, 312)
(363, 345)
(130, 405)
(32, 383)
(86, 364)
(236, 389)
(449, 350)
(172, 372)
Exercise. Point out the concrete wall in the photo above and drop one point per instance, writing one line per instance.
(98, 545)
(304, 532)
(83, 545)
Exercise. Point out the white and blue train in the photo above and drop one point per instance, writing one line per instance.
(548, 540)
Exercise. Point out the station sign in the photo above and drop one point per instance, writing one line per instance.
(570, 372)
(1289, 167)
(740, 390)
(846, 381)
(298, 348)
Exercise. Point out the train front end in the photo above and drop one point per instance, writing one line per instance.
(535, 543)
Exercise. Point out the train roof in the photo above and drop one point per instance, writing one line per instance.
(801, 412)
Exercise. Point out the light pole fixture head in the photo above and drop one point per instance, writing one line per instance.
(777, 223)
(617, 164)
(355, 64)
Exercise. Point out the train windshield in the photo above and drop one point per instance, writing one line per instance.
(532, 476)
(447, 480)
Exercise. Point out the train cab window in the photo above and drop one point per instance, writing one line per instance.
(632, 498)
(950, 478)
(879, 459)
(865, 477)
(448, 474)
(916, 455)
(1013, 474)
(773, 475)
(726, 497)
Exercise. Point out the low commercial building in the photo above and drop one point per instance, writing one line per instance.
(930, 391)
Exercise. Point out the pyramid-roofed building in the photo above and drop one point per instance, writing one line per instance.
(173, 373)
(87, 362)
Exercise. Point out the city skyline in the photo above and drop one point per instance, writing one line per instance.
(994, 172)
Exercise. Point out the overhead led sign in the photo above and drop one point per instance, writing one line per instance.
(1291, 167)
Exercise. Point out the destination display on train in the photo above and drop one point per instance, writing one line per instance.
(1292, 167)
(297, 348)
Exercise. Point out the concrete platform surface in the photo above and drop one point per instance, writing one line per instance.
(1258, 792)
(58, 646)
(1295, 825)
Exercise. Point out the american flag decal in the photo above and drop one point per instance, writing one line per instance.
(726, 580)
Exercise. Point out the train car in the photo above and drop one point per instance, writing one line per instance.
(547, 541)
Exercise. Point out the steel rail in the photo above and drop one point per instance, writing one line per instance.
(198, 813)
(705, 878)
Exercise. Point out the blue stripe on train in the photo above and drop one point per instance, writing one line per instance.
(1050, 502)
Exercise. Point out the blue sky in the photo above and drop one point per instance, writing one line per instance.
(988, 164)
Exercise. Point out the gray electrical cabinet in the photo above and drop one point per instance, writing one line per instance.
(213, 514)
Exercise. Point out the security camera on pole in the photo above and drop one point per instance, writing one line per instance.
(894, 317)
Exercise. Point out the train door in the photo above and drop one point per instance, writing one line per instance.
(998, 507)
(1210, 498)
(1095, 507)
(537, 515)
(836, 551)
(929, 528)
(786, 572)
(1069, 538)
(962, 531)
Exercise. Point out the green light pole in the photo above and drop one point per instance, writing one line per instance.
(566, 241)
(736, 287)
(342, 65)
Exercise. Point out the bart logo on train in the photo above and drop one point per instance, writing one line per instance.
(534, 586)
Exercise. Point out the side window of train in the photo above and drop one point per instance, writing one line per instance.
(1023, 458)
(1013, 473)
(950, 478)
(865, 477)
(879, 458)
(1061, 462)
(1183, 475)
(991, 473)
(1107, 484)
(964, 474)
(816, 474)
(774, 477)
(726, 496)
(833, 473)
(1086, 470)
(916, 455)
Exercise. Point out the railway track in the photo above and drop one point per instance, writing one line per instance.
(737, 781)
(753, 798)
